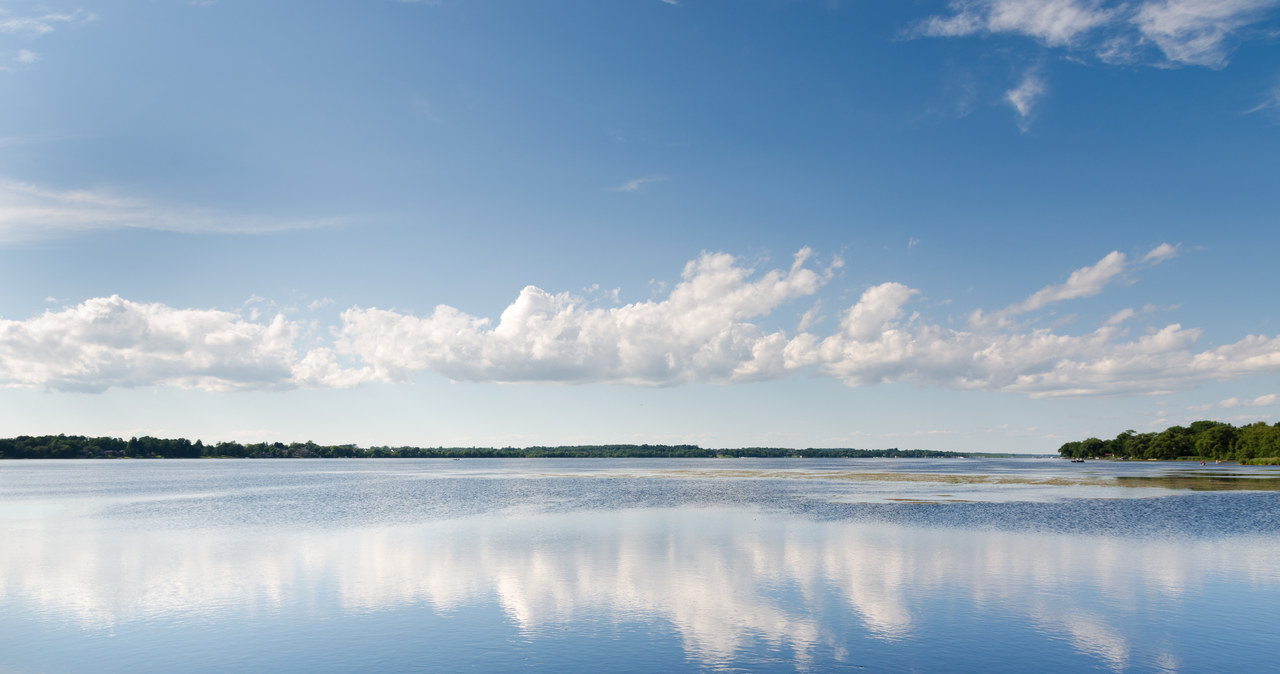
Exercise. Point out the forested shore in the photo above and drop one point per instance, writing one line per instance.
(82, 447)
(1203, 440)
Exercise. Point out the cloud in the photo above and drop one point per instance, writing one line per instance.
(1083, 282)
(1121, 316)
(704, 332)
(637, 184)
(110, 341)
(1160, 253)
(706, 329)
(1261, 401)
(876, 309)
(113, 342)
(424, 108)
(1025, 96)
(1054, 22)
(1038, 363)
(1184, 32)
(1270, 102)
(32, 27)
(700, 332)
(18, 62)
(41, 24)
(31, 212)
(1198, 32)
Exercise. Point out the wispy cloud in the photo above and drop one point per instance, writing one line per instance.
(1121, 316)
(32, 212)
(1198, 32)
(1054, 22)
(1270, 102)
(41, 24)
(1026, 96)
(638, 184)
(1083, 282)
(424, 108)
(19, 61)
(1182, 32)
(30, 27)
(1159, 33)
(1160, 253)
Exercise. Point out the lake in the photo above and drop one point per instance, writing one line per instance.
(771, 565)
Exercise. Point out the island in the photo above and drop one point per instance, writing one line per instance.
(82, 447)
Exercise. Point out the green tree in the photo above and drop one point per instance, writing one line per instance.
(1216, 442)
(1257, 440)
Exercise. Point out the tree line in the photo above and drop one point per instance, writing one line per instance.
(1203, 440)
(82, 447)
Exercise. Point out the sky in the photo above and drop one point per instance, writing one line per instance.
(976, 225)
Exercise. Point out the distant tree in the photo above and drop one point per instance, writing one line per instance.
(1174, 442)
(1216, 441)
(1257, 440)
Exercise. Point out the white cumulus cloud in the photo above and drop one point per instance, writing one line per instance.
(701, 332)
(111, 341)
(707, 329)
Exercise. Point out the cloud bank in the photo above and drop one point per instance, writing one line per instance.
(707, 329)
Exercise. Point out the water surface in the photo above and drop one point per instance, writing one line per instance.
(637, 565)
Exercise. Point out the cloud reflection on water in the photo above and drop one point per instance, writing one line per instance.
(721, 579)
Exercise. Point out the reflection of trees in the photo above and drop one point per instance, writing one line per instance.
(722, 579)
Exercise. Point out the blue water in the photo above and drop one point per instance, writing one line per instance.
(637, 565)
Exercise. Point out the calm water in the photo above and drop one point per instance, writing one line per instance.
(637, 565)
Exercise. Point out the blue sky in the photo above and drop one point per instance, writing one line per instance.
(973, 225)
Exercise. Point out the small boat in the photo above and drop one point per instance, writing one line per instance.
(1077, 460)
